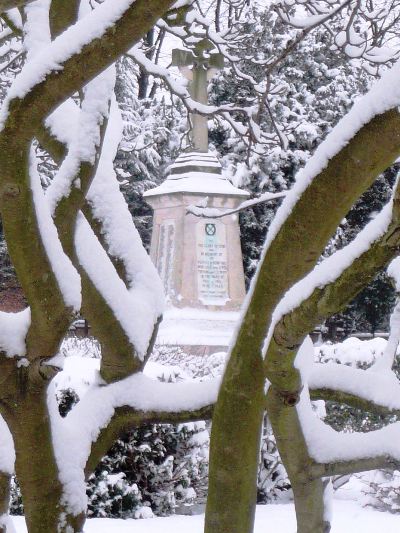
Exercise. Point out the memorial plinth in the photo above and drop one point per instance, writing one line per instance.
(198, 259)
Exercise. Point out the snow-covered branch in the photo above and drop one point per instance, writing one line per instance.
(213, 212)
(75, 57)
(291, 236)
(363, 389)
(329, 287)
(178, 89)
(364, 31)
(341, 453)
(6, 5)
(128, 403)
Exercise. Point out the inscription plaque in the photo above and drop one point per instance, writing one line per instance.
(212, 268)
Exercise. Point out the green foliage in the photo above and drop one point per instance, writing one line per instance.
(273, 484)
(159, 466)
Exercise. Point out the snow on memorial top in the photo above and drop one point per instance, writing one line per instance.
(196, 172)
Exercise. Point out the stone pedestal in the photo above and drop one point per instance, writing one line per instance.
(198, 259)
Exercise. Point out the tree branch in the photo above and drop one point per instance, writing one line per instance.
(32, 101)
(5, 5)
(126, 419)
(292, 328)
(358, 464)
(340, 396)
(307, 487)
(214, 212)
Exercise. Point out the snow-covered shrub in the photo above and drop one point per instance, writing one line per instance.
(16, 505)
(383, 490)
(272, 481)
(110, 495)
(190, 366)
(154, 469)
(158, 466)
(381, 487)
(80, 347)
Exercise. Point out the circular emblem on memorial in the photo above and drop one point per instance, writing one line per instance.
(210, 229)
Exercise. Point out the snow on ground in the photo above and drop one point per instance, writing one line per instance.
(348, 516)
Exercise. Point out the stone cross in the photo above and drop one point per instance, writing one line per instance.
(203, 66)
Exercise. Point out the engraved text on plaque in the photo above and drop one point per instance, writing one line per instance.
(212, 269)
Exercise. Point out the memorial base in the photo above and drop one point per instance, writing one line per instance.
(198, 331)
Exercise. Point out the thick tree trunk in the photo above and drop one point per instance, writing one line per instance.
(308, 491)
(297, 245)
(26, 412)
(232, 490)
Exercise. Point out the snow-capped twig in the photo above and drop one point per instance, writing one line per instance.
(214, 212)
(178, 89)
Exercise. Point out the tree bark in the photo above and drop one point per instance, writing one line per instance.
(5, 482)
(297, 245)
(234, 452)
(24, 407)
(308, 491)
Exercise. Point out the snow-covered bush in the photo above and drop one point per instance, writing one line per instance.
(111, 495)
(383, 490)
(154, 469)
(381, 487)
(159, 467)
(272, 481)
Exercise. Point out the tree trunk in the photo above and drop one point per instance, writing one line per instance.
(26, 413)
(5, 480)
(233, 489)
(308, 492)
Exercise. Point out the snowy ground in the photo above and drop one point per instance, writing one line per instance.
(348, 516)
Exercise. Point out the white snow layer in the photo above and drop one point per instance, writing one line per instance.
(67, 277)
(381, 389)
(13, 330)
(36, 28)
(137, 308)
(74, 435)
(385, 363)
(325, 445)
(62, 122)
(52, 58)
(394, 272)
(86, 140)
(6, 520)
(7, 453)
